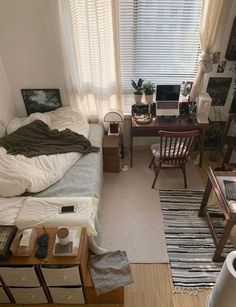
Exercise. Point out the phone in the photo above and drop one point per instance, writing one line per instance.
(67, 209)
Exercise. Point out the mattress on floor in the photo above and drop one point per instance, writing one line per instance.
(86, 175)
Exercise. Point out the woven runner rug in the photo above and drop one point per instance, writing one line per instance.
(189, 242)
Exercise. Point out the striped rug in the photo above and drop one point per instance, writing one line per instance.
(189, 242)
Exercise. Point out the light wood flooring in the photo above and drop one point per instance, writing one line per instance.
(152, 285)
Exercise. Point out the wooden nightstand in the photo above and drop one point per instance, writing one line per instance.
(111, 153)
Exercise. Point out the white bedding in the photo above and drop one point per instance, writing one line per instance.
(39, 212)
(31, 212)
(19, 174)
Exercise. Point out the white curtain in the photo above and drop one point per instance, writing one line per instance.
(89, 35)
(213, 20)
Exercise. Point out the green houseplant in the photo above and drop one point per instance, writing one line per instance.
(149, 89)
(138, 90)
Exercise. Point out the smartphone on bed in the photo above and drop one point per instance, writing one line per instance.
(67, 209)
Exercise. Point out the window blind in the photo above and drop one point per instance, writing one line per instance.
(159, 42)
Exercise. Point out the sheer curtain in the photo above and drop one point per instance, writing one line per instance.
(89, 35)
(213, 20)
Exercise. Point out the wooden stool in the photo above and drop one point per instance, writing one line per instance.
(227, 211)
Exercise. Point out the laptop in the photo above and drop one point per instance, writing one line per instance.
(167, 100)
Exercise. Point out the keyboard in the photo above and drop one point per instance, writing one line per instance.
(167, 104)
(230, 189)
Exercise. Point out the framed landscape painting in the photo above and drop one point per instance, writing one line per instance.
(41, 100)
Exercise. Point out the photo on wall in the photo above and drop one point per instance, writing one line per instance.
(218, 89)
(215, 57)
(41, 100)
(221, 66)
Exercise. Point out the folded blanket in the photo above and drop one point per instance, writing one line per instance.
(38, 212)
(37, 139)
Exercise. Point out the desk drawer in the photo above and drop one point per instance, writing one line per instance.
(19, 276)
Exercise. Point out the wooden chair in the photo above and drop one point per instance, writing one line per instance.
(173, 150)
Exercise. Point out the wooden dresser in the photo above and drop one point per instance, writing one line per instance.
(52, 280)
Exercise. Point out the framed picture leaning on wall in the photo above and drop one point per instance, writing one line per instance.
(41, 100)
(231, 49)
(218, 89)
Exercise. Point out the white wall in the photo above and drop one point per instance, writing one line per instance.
(29, 48)
(7, 111)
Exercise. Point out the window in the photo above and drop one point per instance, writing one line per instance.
(159, 42)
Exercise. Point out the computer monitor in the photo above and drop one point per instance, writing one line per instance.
(167, 100)
(167, 92)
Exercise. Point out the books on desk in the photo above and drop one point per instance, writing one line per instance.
(71, 248)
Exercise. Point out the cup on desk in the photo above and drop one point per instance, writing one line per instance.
(63, 235)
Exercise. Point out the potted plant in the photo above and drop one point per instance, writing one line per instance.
(149, 89)
(138, 90)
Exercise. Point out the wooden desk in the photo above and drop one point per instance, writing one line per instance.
(228, 214)
(159, 123)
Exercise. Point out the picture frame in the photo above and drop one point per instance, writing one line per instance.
(218, 89)
(230, 54)
(187, 88)
(41, 100)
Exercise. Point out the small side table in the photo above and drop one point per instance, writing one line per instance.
(229, 214)
(111, 153)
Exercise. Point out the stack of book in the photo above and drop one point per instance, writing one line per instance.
(71, 248)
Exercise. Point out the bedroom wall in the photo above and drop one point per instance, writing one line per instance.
(6, 105)
(29, 48)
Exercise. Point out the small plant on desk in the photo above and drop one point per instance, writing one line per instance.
(138, 90)
(149, 89)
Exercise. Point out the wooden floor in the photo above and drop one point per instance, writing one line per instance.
(153, 286)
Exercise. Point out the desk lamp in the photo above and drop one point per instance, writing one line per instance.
(114, 118)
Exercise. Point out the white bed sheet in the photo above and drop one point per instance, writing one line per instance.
(19, 174)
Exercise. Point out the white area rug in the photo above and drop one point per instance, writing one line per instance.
(131, 217)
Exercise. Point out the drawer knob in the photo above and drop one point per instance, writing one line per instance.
(23, 278)
(64, 277)
(69, 297)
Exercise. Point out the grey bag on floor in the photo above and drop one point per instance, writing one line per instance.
(110, 271)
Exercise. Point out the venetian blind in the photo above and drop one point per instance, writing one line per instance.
(159, 42)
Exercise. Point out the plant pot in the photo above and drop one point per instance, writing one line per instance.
(149, 99)
(138, 99)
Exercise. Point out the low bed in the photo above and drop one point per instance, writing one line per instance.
(82, 183)
(85, 177)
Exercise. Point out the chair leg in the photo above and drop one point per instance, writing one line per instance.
(157, 170)
(151, 163)
(184, 173)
